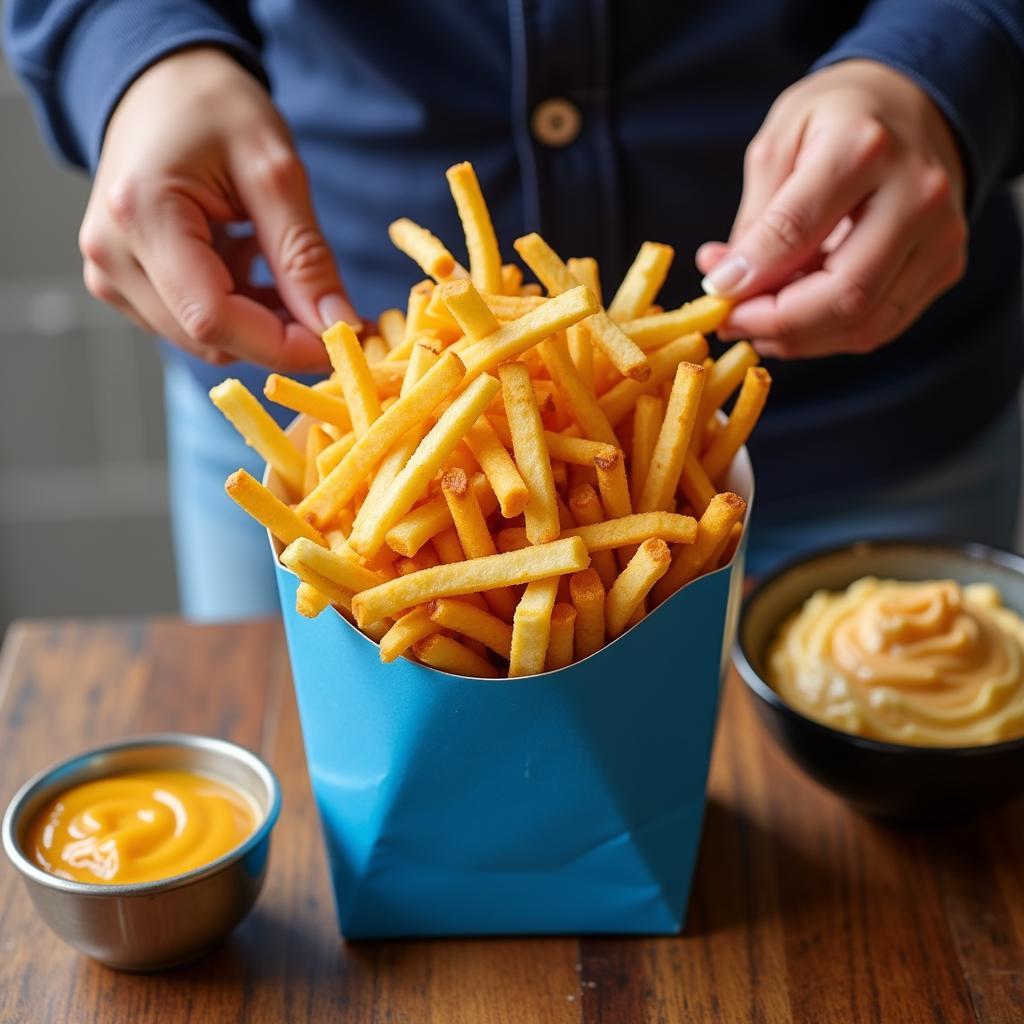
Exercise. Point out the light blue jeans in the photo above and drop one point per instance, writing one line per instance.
(224, 564)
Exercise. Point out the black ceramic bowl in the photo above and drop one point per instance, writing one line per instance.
(885, 780)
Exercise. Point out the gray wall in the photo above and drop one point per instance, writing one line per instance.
(83, 492)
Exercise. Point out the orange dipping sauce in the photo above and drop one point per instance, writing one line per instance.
(140, 827)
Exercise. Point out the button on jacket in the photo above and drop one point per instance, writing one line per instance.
(601, 125)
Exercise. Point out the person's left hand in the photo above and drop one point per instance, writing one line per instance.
(851, 222)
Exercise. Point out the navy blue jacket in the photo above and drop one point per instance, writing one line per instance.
(382, 97)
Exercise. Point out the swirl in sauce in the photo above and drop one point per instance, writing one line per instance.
(139, 827)
(928, 664)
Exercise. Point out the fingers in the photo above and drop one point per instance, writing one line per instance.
(909, 215)
(836, 169)
(171, 238)
(275, 191)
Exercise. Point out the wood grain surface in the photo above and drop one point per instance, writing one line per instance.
(801, 910)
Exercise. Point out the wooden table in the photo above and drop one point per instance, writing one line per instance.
(801, 911)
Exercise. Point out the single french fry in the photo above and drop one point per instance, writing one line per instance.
(332, 572)
(512, 307)
(268, 510)
(702, 316)
(354, 375)
(501, 472)
(617, 403)
(513, 339)
(531, 627)
(614, 489)
(511, 278)
(555, 276)
(430, 454)
(475, 538)
(512, 538)
(695, 485)
(588, 595)
(375, 348)
(560, 641)
(714, 526)
(481, 241)
(753, 394)
(309, 602)
(340, 485)
(480, 625)
(472, 576)
(646, 567)
(244, 412)
(724, 377)
(634, 529)
(391, 324)
(424, 248)
(724, 553)
(581, 348)
(390, 466)
(585, 270)
(642, 282)
(317, 440)
(447, 655)
(387, 376)
(673, 439)
(462, 458)
(406, 631)
(579, 397)
(425, 558)
(575, 450)
(313, 401)
(531, 453)
(647, 419)
(469, 309)
(586, 509)
(425, 521)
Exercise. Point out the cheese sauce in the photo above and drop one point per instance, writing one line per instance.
(929, 664)
(139, 827)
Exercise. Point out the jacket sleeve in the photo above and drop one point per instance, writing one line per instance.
(76, 58)
(968, 55)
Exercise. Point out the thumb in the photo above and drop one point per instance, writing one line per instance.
(276, 195)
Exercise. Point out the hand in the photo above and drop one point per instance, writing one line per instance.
(851, 222)
(195, 144)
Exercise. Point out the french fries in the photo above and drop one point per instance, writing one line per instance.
(501, 480)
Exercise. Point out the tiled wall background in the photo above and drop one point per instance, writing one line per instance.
(83, 491)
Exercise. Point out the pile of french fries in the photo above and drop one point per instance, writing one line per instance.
(507, 476)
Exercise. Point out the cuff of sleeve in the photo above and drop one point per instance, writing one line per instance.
(963, 62)
(115, 42)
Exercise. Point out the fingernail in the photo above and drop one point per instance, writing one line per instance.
(728, 277)
(333, 308)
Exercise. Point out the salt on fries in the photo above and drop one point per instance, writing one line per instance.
(507, 476)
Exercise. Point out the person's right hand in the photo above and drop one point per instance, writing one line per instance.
(194, 144)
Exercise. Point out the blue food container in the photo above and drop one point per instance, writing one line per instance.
(565, 802)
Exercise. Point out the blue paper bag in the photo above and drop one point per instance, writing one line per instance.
(565, 802)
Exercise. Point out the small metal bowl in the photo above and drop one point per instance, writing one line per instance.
(891, 781)
(149, 926)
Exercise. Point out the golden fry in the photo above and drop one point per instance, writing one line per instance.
(314, 401)
(458, 615)
(481, 241)
(647, 418)
(531, 627)
(512, 538)
(448, 655)
(391, 324)
(531, 453)
(243, 410)
(578, 395)
(695, 485)
(354, 375)
(645, 568)
(425, 521)
(722, 513)
(406, 631)
(555, 276)
(505, 480)
(642, 282)
(560, 641)
(588, 595)
(749, 403)
(309, 602)
(633, 529)
(702, 316)
(673, 439)
(470, 577)
(469, 309)
(581, 348)
(375, 348)
(268, 510)
(586, 509)
(317, 440)
(724, 377)
(420, 245)
(511, 278)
